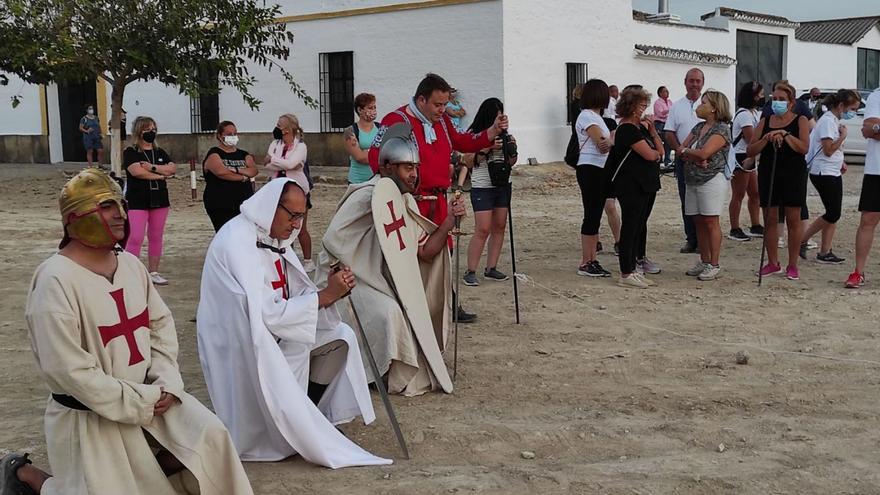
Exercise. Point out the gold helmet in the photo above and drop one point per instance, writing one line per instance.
(80, 202)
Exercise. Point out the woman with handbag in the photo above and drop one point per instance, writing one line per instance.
(594, 143)
(146, 168)
(490, 196)
(633, 174)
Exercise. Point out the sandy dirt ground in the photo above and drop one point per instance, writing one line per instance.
(599, 390)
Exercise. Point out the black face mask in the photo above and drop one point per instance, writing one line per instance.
(276, 133)
(149, 136)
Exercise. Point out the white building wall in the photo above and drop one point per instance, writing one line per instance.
(538, 42)
(870, 40)
(165, 104)
(303, 7)
(25, 119)
(655, 73)
(392, 52)
(821, 65)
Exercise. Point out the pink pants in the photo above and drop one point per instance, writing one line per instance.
(153, 223)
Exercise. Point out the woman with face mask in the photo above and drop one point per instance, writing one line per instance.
(146, 168)
(90, 126)
(287, 158)
(227, 170)
(704, 153)
(825, 161)
(359, 137)
(784, 137)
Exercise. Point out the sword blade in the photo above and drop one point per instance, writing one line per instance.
(380, 385)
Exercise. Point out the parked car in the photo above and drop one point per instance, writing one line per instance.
(854, 146)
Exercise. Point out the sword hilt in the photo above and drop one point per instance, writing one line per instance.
(336, 266)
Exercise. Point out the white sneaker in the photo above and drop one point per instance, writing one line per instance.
(632, 281)
(781, 243)
(646, 280)
(158, 279)
(697, 269)
(711, 272)
(811, 244)
(308, 265)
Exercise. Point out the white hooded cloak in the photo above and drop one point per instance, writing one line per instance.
(255, 347)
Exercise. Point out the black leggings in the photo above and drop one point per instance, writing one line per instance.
(635, 208)
(220, 217)
(591, 180)
(830, 190)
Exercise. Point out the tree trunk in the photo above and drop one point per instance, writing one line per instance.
(115, 124)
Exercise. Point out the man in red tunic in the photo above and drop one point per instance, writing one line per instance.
(436, 138)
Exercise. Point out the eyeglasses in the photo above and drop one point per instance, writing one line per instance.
(293, 216)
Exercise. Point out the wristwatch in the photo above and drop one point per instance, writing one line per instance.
(153, 168)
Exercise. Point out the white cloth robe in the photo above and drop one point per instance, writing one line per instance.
(351, 238)
(104, 450)
(258, 385)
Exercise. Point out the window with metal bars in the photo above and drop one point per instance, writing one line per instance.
(336, 98)
(575, 73)
(204, 109)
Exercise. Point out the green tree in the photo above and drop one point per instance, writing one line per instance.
(121, 41)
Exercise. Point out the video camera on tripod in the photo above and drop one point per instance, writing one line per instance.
(498, 161)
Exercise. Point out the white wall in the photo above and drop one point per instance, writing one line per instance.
(538, 42)
(165, 104)
(300, 7)
(24, 119)
(654, 73)
(392, 52)
(870, 40)
(821, 65)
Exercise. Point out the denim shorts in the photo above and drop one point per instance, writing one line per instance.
(489, 198)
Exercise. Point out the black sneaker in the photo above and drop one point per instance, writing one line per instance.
(829, 258)
(756, 231)
(599, 247)
(470, 279)
(593, 269)
(465, 317)
(738, 235)
(802, 252)
(616, 249)
(688, 248)
(493, 274)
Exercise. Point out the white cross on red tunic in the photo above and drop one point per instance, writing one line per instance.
(126, 327)
(395, 226)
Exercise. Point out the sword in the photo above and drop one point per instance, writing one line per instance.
(380, 385)
(462, 175)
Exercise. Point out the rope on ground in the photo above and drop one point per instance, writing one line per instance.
(531, 281)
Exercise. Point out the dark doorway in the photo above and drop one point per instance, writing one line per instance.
(758, 58)
(72, 102)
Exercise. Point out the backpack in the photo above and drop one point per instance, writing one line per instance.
(731, 155)
(357, 130)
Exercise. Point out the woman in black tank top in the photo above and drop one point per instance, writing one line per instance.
(228, 172)
(784, 138)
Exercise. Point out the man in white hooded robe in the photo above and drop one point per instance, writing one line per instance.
(267, 337)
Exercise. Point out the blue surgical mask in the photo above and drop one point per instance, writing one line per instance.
(779, 107)
(849, 114)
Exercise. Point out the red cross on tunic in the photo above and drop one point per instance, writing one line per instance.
(395, 226)
(126, 327)
(281, 283)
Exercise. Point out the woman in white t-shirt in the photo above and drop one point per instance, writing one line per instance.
(594, 142)
(745, 180)
(825, 161)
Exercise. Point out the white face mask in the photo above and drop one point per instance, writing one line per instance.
(90, 111)
(230, 140)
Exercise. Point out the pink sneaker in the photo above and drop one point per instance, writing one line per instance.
(770, 269)
(791, 273)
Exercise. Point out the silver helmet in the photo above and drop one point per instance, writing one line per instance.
(397, 145)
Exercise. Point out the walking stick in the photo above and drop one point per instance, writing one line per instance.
(505, 138)
(456, 231)
(769, 205)
(380, 385)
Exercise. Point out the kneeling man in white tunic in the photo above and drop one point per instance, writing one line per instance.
(281, 367)
(403, 297)
(118, 420)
